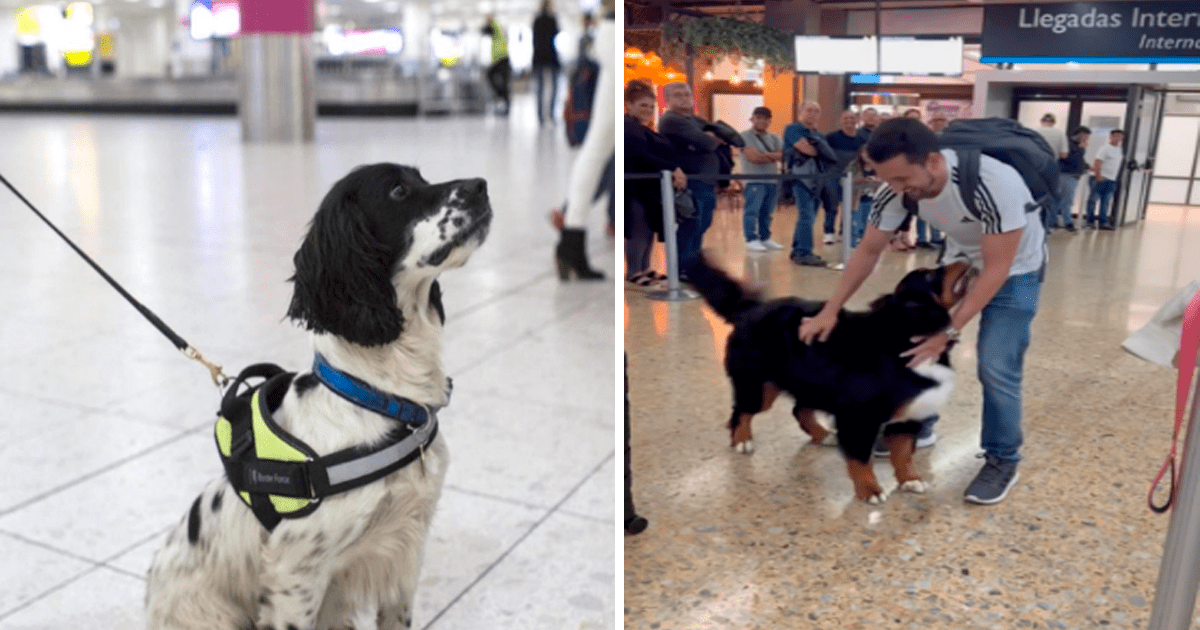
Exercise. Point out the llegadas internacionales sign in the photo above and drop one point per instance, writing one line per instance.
(1095, 32)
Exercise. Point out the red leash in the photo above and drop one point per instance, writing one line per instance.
(1188, 350)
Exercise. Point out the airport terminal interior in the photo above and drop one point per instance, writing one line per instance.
(776, 539)
(108, 429)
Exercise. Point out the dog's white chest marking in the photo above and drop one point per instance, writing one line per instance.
(930, 401)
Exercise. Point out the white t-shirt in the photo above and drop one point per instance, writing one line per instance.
(1001, 197)
(1110, 161)
(1056, 138)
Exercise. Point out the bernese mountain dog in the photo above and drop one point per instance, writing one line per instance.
(857, 375)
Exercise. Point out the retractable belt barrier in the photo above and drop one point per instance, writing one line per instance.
(674, 292)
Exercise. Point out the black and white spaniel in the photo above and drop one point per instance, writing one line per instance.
(366, 286)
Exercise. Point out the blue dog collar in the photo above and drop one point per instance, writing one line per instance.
(360, 393)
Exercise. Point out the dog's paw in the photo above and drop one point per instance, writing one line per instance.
(746, 447)
(915, 486)
(830, 439)
(879, 498)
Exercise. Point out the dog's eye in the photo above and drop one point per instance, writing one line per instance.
(397, 192)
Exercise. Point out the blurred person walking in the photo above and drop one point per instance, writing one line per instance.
(592, 181)
(546, 66)
(499, 74)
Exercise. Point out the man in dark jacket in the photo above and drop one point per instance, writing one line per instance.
(545, 61)
(1072, 168)
(806, 152)
(697, 151)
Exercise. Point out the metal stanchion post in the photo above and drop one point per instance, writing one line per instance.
(849, 205)
(673, 292)
(1178, 579)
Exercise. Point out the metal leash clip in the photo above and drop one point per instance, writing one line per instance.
(219, 378)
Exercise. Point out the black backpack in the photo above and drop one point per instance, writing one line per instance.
(1010, 142)
(581, 91)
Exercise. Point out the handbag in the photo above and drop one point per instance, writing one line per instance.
(685, 204)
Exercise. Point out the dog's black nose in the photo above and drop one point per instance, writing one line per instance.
(474, 187)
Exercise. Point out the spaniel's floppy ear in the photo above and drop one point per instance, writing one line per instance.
(343, 281)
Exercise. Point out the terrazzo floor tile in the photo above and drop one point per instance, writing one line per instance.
(776, 540)
(572, 590)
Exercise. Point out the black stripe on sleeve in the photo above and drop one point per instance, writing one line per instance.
(883, 197)
(992, 223)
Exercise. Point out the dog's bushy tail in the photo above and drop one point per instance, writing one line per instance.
(725, 295)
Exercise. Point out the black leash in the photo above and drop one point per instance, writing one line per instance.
(218, 376)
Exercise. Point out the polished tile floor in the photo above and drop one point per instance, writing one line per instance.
(106, 429)
(776, 540)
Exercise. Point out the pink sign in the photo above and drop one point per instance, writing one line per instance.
(265, 17)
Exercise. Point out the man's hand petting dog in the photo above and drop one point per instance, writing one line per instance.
(817, 327)
(927, 348)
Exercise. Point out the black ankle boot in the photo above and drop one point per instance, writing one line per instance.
(571, 255)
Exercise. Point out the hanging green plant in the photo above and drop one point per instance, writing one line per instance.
(723, 37)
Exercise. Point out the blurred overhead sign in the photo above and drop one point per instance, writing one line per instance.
(889, 55)
(1149, 31)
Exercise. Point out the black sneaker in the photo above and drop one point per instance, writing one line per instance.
(809, 260)
(993, 482)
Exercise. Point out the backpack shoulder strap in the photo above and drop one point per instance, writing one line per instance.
(968, 179)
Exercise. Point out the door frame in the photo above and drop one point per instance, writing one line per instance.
(1132, 134)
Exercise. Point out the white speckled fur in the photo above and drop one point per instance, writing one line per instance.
(355, 561)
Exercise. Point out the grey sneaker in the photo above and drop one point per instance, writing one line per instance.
(809, 260)
(993, 482)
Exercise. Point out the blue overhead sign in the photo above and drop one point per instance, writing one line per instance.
(1092, 32)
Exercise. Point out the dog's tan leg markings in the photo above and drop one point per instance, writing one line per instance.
(900, 451)
(808, 423)
(742, 438)
(770, 393)
(866, 487)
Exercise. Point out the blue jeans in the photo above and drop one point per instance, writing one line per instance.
(1066, 189)
(1003, 338)
(858, 221)
(831, 197)
(1104, 191)
(806, 214)
(691, 233)
(934, 236)
(760, 205)
(540, 73)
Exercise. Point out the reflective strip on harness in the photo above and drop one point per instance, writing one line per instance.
(380, 460)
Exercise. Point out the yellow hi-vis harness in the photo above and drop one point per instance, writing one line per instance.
(277, 475)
